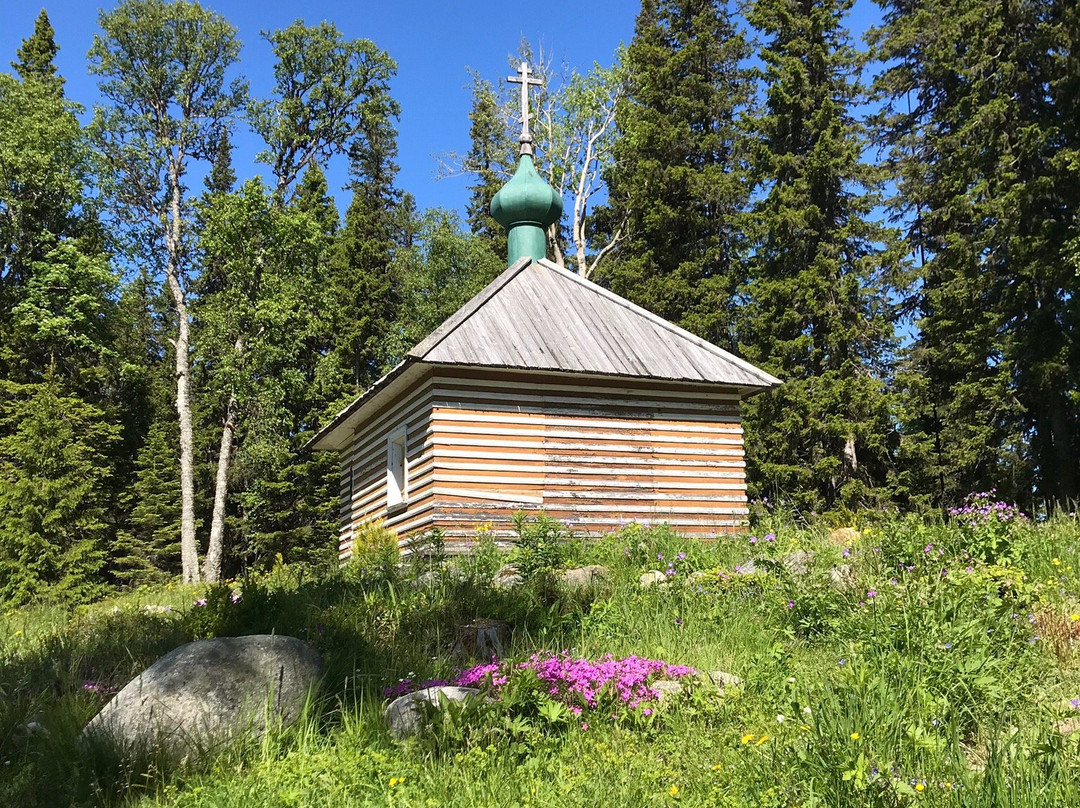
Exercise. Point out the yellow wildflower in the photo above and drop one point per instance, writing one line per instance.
(396, 781)
(919, 787)
(718, 767)
(1074, 617)
(748, 737)
(673, 791)
(18, 633)
(1056, 562)
(762, 740)
(804, 727)
(854, 736)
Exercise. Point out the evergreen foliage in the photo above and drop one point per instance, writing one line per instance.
(165, 356)
(818, 310)
(980, 142)
(366, 289)
(35, 57)
(53, 471)
(440, 273)
(490, 159)
(678, 180)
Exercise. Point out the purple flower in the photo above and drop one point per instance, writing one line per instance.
(791, 604)
(770, 536)
(872, 593)
(846, 552)
(678, 621)
(1075, 704)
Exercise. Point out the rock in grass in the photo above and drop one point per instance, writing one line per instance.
(748, 567)
(799, 562)
(584, 577)
(406, 714)
(844, 536)
(207, 691)
(721, 679)
(842, 577)
(665, 688)
(652, 577)
(507, 577)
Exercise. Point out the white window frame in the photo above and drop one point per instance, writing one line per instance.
(397, 469)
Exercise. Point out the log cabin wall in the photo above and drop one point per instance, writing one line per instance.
(364, 469)
(591, 451)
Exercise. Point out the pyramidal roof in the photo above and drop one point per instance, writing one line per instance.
(539, 316)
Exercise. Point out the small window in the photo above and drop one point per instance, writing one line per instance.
(397, 469)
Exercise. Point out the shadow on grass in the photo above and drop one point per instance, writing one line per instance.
(371, 632)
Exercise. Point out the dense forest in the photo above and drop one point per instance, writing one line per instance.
(891, 227)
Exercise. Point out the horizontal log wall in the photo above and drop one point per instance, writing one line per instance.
(363, 467)
(594, 453)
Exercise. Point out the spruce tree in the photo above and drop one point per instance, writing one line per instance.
(366, 289)
(818, 314)
(53, 467)
(678, 182)
(35, 57)
(490, 157)
(979, 138)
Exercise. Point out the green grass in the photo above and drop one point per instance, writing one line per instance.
(939, 689)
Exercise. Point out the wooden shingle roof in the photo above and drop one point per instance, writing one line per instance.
(539, 316)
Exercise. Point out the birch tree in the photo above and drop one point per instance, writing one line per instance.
(576, 132)
(329, 93)
(162, 70)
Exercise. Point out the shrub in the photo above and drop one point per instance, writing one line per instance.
(538, 548)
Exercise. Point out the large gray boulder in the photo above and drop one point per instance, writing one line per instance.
(207, 691)
(406, 715)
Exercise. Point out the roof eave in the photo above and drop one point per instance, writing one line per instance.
(331, 436)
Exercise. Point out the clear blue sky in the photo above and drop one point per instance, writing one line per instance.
(433, 43)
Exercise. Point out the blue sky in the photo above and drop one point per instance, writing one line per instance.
(432, 42)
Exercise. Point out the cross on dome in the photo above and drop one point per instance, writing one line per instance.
(525, 79)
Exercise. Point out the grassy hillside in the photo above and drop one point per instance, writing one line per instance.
(907, 664)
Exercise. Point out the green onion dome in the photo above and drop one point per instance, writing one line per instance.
(526, 206)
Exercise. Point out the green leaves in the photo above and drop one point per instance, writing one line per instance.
(327, 92)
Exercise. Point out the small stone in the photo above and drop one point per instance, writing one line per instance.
(799, 562)
(32, 728)
(584, 577)
(699, 578)
(844, 536)
(432, 578)
(507, 577)
(746, 568)
(665, 688)
(406, 714)
(842, 577)
(652, 578)
(1067, 726)
(721, 679)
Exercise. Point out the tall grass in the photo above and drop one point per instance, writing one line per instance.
(921, 676)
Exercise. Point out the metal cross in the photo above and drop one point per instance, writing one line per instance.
(524, 79)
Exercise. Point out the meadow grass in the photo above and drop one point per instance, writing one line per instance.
(917, 664)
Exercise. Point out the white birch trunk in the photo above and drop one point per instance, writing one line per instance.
(189, 553)
(214, 550)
